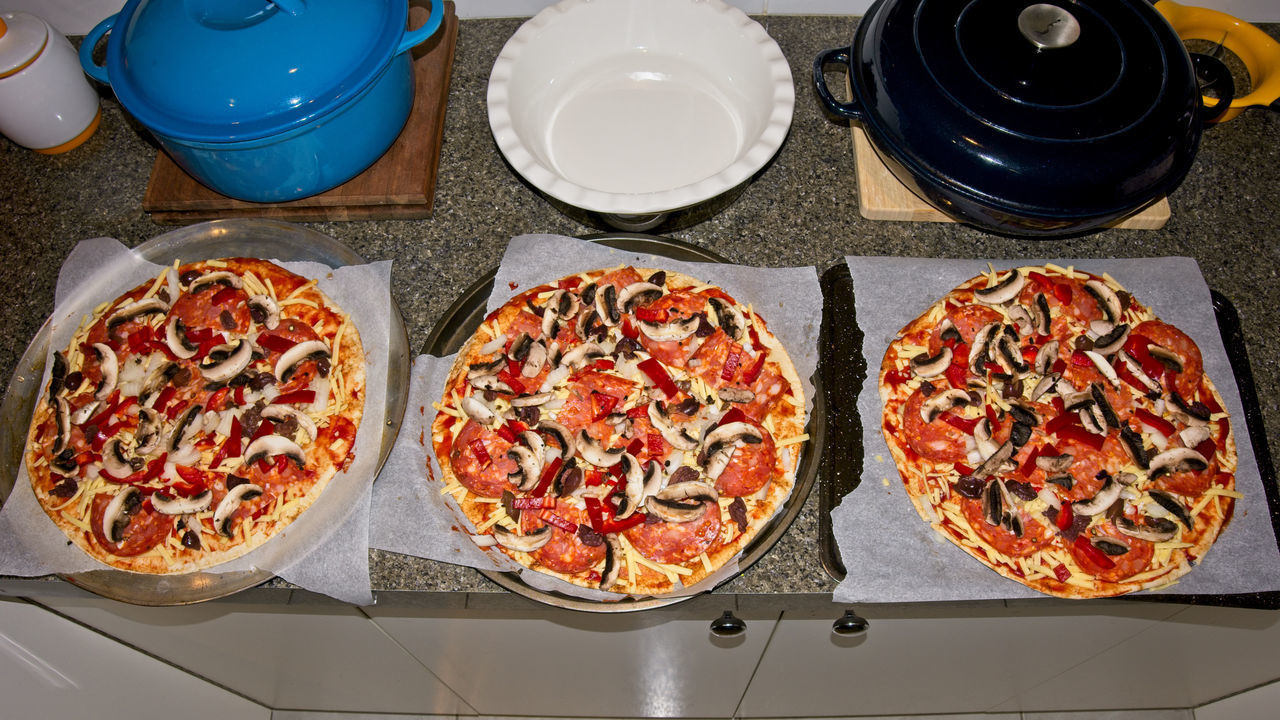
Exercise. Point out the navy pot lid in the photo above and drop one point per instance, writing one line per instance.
(233, 70)
(1080, 106)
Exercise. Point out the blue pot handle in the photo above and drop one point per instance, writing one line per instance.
(851, 110)
(413, 38)
(92, 69)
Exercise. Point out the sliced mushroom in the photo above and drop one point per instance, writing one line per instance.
(227, 361)
(271, 445)
(1176, 459)
(980, 348)
(926, 366)
(135, 309)
(1022, 319)
(527, 542)
(534, 360)
(1173, 506)
(633, 494)
(613, 558)
(1003, 291)
(1045, 384)
(1043, 318)
(1104, 406)
(1166, 356)
(533, 400)
(290, 359)
(606, 301)
(683, 502)
(671, 331)
(1109, 545)
(175, 336)
(579, 356)
(1135, 369)
(939, 403)
(282, 412)
(62, 416)
(109, 365)
(264, 310)
(1192, 435)
(561, 305)
(1104, 367)
(1054, 463)
(735, 395)
(591, 451)
(1108, 301)
(183, 428)
(230, 502)
(722, 442)
(116, 517)
(1046, 356)
(992, 465)
(146, 438)
(1111, 342)
(993, 502)
(478, 411)
(636, 295)
(728, 317)
(114, 460)
(947, 331)
(1107, 494)
(528, 466)
(491, 367)
(675, 436)
(490, 382)
(178, 505)
(1151, 529)
(561, 434)
(1134, 445)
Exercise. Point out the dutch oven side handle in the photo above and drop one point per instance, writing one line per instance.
(412, 38)
(850, 110)
(92, 69)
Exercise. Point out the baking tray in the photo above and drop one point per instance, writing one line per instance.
(465, 315)
(843, 379)
(219, 238)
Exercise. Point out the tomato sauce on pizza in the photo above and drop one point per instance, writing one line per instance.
(1051, 426)
(624, 429)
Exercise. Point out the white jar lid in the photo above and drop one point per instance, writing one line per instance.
(22, 39)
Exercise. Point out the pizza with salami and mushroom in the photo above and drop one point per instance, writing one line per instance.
(627, 429)
(1054, 428)
(193, 417)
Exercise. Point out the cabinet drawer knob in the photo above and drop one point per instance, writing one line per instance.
(849, 624)
(728, 625)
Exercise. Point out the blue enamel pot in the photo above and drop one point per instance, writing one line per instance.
(264, 101)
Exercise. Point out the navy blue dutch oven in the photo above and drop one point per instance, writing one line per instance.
(1024, 118)
(264, 101)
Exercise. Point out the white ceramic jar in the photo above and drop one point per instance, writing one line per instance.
(46, 102)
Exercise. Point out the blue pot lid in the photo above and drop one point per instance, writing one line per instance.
(234, 70)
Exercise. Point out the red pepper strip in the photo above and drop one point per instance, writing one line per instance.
(138, 340)
(511, 379)
(282, 463)
(735, 414)
(1062, 291)
(1207, 449)
(958, 376)
(1079, 359)
(1095, 555)
(224, 296)
(1125, 374)
(1137, 346)
(659, 376)
(963, 469)
(963, 424)
(756, 368)
(176, 410)
(651, 315)
(613, 525)
(481, 453)
(569, 283)
(601, 405)
(1059, 366)
(275, 343)
(657, 447)
(215, 400)
(548, 474)
(553, 519)
(113, 403)
(635, 446)
(189, 474)
(593, 478)
(1155, 422)
(1080, 435)
(1061, 420)
(299, 397)
(1065, 516)
(991, 415)
(1061, 572)
(534, 503)
(897, 376)
(187, 489)
(266, 428)
(162, 400)
(1029, 353)
(992, 367)
(639, 411)
(629, 329)
(150, 472)
(731, 362)
(199, 335)
(238, 395)
(1029, 466)
(505, 432)
(230, 446)
(595, 512)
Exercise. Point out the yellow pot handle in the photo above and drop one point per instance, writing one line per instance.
(1257, 50)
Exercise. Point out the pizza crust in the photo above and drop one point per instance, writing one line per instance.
(288, 493)
(1049, 566)
(638, 575)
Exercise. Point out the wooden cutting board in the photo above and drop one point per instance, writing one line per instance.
(882, 196)
(400, 185)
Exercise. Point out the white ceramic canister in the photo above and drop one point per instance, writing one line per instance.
(46, 103)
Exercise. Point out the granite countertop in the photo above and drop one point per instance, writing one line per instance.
(802, 209)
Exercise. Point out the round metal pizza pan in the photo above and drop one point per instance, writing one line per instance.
(215, 239)
(466, 314)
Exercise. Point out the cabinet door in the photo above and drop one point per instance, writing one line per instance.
(564, 663)
(1197, 656)
(50, 667)
(307, 657)
(924, 660)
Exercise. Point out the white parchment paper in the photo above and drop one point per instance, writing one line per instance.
(892, 555)
(326, 549)
(409, 514)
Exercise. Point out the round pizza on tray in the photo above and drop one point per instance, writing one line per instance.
(625, 429)
(195, 416)
(1052, 427)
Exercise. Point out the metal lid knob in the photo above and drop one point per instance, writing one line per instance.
(1048, 26)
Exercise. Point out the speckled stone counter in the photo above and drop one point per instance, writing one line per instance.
(800, 210)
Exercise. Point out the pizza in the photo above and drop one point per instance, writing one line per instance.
(193, 417)
(1052, 427)
(624, 429)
